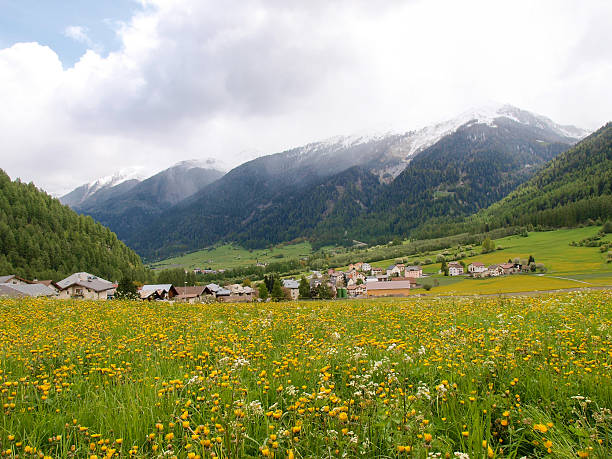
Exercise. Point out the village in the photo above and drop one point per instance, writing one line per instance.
(359, 280)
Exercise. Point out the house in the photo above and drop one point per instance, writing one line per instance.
(370, 279)
(26, 290)
(393, 270)
(358, 266)
(508, 268)
(49, 283)
(337, 278)
(376, 271)
(238, 293)
(495, 270)
(413, 272)
(455, 269)
(293, 286)
(14, 280)
(476, 267)
(190, 294)
(365, 267)
(157, 292)
(396, 288)
(86, 286)
(357, 290)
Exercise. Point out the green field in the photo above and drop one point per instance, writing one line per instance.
(567, 266)
(230, 256)
(388, 378)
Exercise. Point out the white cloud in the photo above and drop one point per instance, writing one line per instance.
(199, 78)
(77, 33)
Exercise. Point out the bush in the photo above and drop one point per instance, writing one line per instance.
(607, 227)
(427, 287)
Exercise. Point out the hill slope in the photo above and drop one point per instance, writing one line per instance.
(40, 237)
(573, 188)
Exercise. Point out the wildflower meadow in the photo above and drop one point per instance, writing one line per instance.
(421, 377)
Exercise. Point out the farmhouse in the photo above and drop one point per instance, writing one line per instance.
(157, 292)
(357, 290)
(495, 270)
(365, 267)
(394, 270)
(293, 286)
(14, 280)
(86, 286)
(26, 290)
(455, 269)
(413, 271)
(396, 288)
(508, 268)
(190, 294)
(476, 267)
(376, 271)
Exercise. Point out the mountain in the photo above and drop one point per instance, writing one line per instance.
(575, 187)
(362, 187)
(103, 188)
(125, 206)
(40, 237)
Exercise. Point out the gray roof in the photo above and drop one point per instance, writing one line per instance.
(86, 280)
(291, 283)
(16, 291)
(223, 291)
(213, 287)
(390, 285)
(156, 287)
(5, 279)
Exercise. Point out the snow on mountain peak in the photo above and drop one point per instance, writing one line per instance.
(204, 163)
(123, 175)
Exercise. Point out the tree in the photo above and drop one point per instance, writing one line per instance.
(488, 245)
(607, 227)
(325, 292)
(246, 282)
(531, 260)
(359, 281)
(126, 289)
(263, 291)
(277, 293)
(444, 268)
(304, 288)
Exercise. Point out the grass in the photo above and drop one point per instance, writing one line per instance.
(230, 256)
(491, 377)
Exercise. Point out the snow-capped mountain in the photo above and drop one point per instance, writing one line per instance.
(124, 179)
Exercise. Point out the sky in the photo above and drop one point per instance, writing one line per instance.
(89, 88)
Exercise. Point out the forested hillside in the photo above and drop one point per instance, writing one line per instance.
(40, 237)
(573, 188)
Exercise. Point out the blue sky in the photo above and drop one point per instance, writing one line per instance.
(45, 22)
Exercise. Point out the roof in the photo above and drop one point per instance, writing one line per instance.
(376, 268)
(5, 279)
(391, 267)
(97, 284)
(477, 263)
(213, 287)
(155, 287)
(454, 263)
(507, 265)
(48, 283)
(17, 291)
(291, 283)
(390, 285)
(414, 268)
(403, 279)
(190, 292)
(223, 292)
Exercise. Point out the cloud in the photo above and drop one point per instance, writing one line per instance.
(196, 78)
(77, 33)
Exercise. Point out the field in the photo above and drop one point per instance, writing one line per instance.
(511, 377)
(231, 256)
(567, 266)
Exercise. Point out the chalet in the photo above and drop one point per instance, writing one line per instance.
(508, 268)
(26, 290)
(86, 286)
(357, 290)
(14, 280)
(396, 288)
(365, 267)
(393, 270)
(495, 270)
(413, 272)
(293, 286)
(376, 271)
(157, 292)
(455, 269)
(476, 267)
(216, 291)
(238, 293)
(192, 295)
